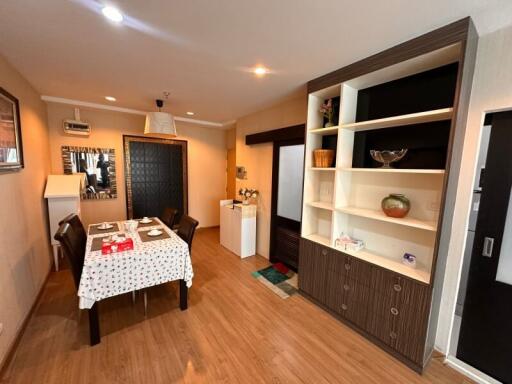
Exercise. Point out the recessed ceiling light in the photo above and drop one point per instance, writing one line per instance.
(113, 14)
(110, 98)
(260, 71)
(190, 113)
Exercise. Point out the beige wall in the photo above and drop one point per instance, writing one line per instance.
(206, 160)
(257, 159)
(24, 246)
(492, 91)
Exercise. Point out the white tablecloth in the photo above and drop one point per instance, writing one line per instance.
(149, 263)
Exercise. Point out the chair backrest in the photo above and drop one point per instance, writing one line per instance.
(73, 248)
(169, 216)
(186, 229)
(75, 222)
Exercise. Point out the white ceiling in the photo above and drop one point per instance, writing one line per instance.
(200, 50)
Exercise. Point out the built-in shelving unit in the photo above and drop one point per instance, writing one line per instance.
(379, 215)
(407, 97)
(398, 121)
(394, 170)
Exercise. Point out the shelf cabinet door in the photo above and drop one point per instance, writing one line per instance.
(399, 313)
(313, 266)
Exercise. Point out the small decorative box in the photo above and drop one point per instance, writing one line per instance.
(117, 246)
(346, 243)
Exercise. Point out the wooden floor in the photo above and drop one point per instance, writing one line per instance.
(235, 330)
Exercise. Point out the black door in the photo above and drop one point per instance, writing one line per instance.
(485, 340)
(156, 176)
(286, 211)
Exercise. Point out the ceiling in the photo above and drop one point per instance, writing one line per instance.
(201, 51)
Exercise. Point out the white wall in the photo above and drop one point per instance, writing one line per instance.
(257, 159)
(492, 91)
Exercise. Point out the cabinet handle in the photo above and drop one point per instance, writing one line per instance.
(347, 267)
(324, 252)
(346, 287)
(394, 311)
(344, 307)
(397, 287)
(393, 335)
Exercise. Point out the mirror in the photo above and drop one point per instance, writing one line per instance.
(98, 167)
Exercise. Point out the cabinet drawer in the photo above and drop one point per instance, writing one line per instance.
(351, 266)
(401, 289)
(313, 262)
(348, 298)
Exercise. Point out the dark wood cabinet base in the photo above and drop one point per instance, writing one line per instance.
(414, 366)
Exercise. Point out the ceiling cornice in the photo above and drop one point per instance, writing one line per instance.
(87, 104)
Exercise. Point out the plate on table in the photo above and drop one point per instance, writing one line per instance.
(105, 226)
(154, 232)
(146, 220)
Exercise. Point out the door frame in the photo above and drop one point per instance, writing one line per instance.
(127, 139)
(275, 184)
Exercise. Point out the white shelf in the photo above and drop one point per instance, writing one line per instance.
(392, 265)
(397, 121)
(378, 215)
(325, 131)
(321, 169)
(319, 239)
(322, 205)
(395, 170)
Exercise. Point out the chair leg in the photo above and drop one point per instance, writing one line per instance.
(56, 257)
(145, 302)
(94, 325)
(183, 295)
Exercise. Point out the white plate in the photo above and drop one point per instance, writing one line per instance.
(102, 226)
(146, 221)
(154, 233)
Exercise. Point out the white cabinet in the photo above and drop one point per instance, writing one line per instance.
(63, 194)
(238, 227)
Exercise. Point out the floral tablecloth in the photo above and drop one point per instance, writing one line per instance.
(149, 263)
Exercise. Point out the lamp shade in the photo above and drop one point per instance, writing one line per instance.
(161, 123)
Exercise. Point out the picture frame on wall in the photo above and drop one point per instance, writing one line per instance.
(11, 149)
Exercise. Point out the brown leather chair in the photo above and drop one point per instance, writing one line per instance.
(74, 249)
(186, 229)
(169, 217)
(75, 223)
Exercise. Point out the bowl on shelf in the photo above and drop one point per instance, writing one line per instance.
(323, 158)
(387, 157)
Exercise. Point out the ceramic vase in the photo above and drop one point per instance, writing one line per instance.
(396, 205)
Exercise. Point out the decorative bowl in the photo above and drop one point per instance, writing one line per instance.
(387, 157)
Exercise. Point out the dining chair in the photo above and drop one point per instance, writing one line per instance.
(169, 216)
(74, 221)
(186, 229)
(74, 249)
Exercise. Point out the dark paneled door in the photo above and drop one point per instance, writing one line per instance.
(156, 176)
(485, 340)
(287, 183)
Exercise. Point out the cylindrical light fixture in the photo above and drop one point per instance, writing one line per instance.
(161, 123)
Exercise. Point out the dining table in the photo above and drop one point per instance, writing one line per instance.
(157, 257)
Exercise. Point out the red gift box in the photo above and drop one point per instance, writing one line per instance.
(117, 246)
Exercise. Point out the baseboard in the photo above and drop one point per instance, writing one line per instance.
(11, 350)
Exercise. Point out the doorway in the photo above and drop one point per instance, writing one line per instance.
(485, 339)
(156, 176)
(286, 211)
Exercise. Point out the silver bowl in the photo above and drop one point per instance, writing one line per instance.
(387, 157)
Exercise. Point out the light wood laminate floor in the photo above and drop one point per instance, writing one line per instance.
(235, 330)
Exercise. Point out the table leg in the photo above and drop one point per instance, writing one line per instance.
(94, 325)
(183, 295)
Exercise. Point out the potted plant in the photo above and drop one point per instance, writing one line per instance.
(248, 194)
(327, 110)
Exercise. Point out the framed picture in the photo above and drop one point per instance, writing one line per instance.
(11, 150)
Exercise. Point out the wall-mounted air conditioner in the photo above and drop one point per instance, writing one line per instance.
(76, 126)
